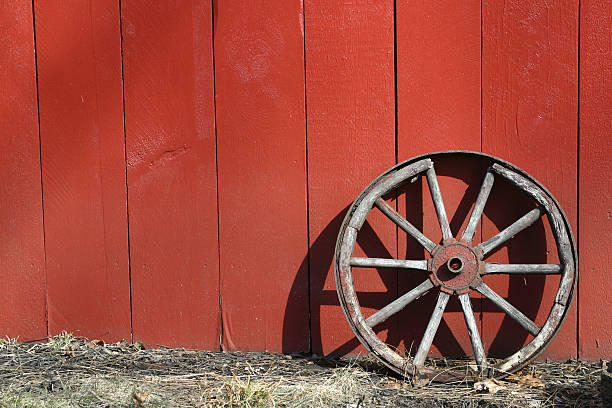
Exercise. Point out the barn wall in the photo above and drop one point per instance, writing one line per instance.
(176, 173)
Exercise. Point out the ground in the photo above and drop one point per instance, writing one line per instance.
(70, 372)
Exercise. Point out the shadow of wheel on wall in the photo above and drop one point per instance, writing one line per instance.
(501, 335)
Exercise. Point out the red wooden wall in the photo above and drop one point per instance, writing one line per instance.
(176, 173)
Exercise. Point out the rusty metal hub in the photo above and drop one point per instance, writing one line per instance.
(454, 267)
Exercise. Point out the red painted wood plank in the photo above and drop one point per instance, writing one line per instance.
(259, 76)
(438, 108)
(351, 140)
(530, 71)
(595, 337)
(82, 141)
(22, 262)
(438, 76)
(170, 144)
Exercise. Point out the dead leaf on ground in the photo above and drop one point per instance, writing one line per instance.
(94, 343)
(529, 380)
(141, 397)
(420, 381)
(489, 386)
(397, 385)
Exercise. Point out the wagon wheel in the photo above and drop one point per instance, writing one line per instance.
(454, 267)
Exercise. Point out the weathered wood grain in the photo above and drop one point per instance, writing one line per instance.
(522, 268)
(559, 228)
(510, 310)
(388, 263)
(384, 186)
(436, 196)
(398, 304)
(432, 328)
(510, 231)
(472, 328)
(481, 200)
(404, 224)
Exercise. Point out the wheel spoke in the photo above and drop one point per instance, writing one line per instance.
(436, 195)
(481, 200)
(388, 263)
(432, 328)
(404, 224)
(522, 269)
(510, 310)
(470, 322)
(398, 304)
(519, 225)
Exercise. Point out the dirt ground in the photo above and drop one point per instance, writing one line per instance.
(69, 372)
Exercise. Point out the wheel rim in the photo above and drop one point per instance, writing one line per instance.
(454, 267)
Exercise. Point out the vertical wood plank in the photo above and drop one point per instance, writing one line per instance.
(259, 77)
(170, 144)
(438, 76)
(530, 96)
(351, 140)
(22, 262)
(595, 336)
(82, 141)
(438, 108)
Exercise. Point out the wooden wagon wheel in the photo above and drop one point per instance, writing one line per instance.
(454, 267)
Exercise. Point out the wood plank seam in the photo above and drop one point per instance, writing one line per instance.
(42, 202)
(481, 312)
(214, 84)
(127, 190)
(303, 20)
(577, 233)
(395, 117)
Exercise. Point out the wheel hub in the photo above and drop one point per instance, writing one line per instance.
(454, 267)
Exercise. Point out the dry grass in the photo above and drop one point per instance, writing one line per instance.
(69, 372)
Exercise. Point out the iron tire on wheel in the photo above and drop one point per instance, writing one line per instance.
(458, 256)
